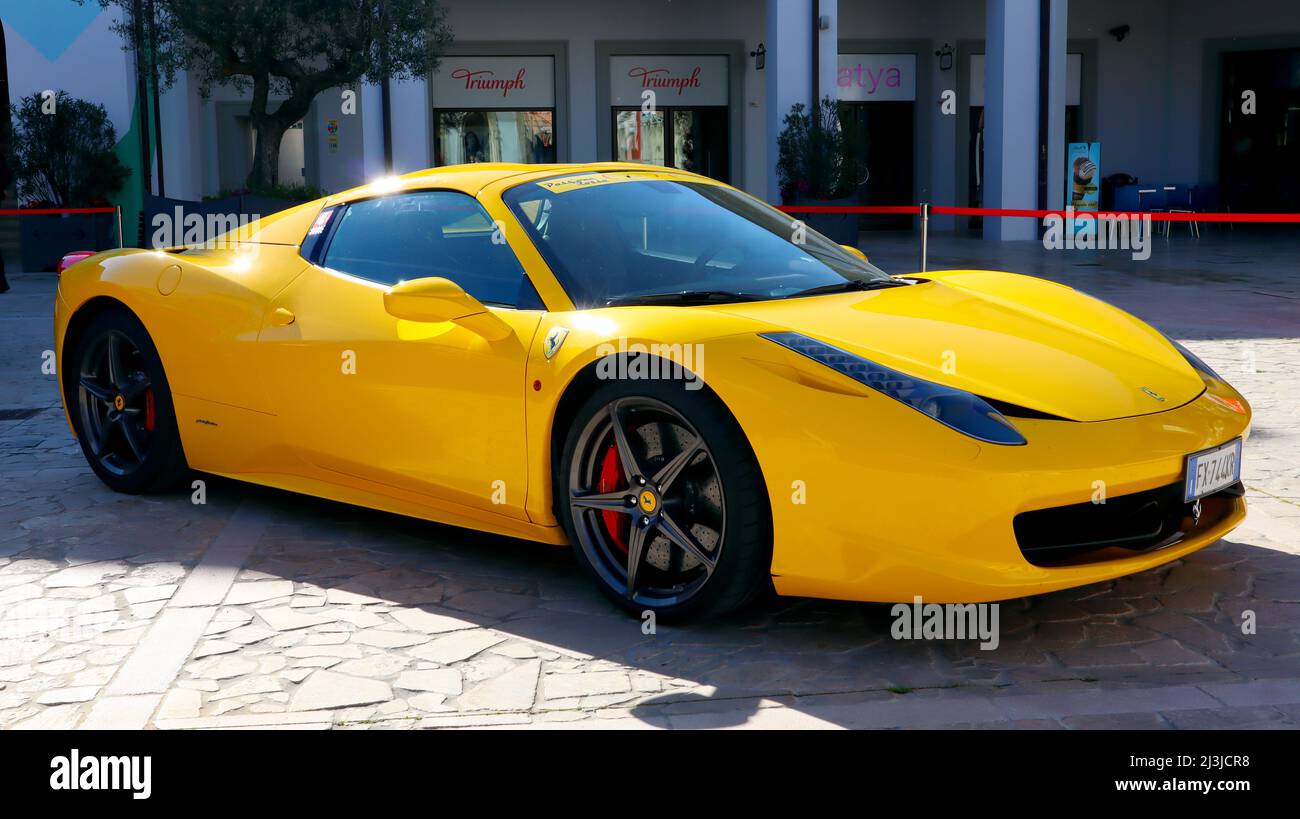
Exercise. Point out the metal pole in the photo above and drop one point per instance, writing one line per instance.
(152, 28)
(925, 234)
(119, 227)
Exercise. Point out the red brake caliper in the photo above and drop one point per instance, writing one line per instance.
(611, 479)
(148, 411)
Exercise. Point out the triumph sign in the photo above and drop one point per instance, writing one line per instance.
(464, 83)
(675, 79)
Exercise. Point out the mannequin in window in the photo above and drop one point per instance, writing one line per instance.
(688, 152)
(473, 147)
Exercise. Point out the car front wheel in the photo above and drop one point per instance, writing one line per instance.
(664, 502)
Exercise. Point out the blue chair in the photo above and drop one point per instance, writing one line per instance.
(1152, 198)
(1178, 199)
(1126, 198)
(1205, 198)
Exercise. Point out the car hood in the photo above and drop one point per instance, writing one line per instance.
(1015, 339)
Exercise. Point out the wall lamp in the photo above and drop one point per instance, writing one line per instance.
(945, 57)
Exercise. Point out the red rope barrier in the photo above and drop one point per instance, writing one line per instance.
(1156, 216)
(52, 211)
(908, 209)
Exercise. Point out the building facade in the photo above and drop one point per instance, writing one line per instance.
(964, 102)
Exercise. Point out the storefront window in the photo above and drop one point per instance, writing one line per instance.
(692, 139)
(685, 125)
(639, 137)
(494, 109)
(495, 136)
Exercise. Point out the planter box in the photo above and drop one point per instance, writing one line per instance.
(841, 228)
(45, 238)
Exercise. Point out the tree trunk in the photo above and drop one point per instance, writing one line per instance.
(266, 155)
(271, 126)
(272, 129)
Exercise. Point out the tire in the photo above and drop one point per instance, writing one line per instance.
(719, 575)
(123, 415)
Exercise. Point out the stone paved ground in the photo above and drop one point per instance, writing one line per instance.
(262, 608)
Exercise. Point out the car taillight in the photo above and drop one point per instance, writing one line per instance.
(69, 259)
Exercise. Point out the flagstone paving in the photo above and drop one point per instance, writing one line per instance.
(308, 614)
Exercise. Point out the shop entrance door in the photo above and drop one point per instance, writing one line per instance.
(692, 139)
(888, 145)
(975, 125)
(1259, 154)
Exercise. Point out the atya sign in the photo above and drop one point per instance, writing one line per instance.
(675, 79)
(495, 82)
(877, 77)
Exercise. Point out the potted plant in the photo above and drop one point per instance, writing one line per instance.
(820, 162)
(61, 155)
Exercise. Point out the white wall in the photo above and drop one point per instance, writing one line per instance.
(359, 156)
(94, 67)
(1150, 91)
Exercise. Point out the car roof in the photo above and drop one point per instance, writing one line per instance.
(474, 177)
(288, 227)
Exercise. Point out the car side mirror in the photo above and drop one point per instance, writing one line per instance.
(855, 252)
(437, 299)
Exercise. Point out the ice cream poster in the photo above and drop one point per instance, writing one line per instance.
(1083, 181)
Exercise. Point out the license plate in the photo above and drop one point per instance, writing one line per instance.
(1212, 469)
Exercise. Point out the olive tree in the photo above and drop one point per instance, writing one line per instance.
(292, 49)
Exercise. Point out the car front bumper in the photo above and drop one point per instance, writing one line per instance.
(873, 501)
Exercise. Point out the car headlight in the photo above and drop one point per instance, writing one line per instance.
(962, 411)
(1197, 364)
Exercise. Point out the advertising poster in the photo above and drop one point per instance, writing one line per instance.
(1083, 181)
(332, 135)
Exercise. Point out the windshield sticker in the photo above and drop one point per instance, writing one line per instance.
(590, 180)
(318, 227)
(572, 183)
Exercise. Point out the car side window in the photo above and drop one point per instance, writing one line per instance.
(429, 233)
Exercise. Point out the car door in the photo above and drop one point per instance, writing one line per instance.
(432, 410)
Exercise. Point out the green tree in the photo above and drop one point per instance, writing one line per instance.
(820, 151)
(61, 151)
(290, 48)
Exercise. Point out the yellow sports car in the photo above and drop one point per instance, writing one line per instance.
(699, 394)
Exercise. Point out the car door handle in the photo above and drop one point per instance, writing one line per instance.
(281, 317)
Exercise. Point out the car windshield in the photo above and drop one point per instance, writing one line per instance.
(634, 238)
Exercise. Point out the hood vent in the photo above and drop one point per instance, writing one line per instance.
(1017, 411)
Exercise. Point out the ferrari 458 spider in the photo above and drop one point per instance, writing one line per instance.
(701, 396)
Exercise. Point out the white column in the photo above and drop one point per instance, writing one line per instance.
(412, 145)
(1011, 115)
(1056, 99)
(372, 131)
(580, 130)
(828, 49)
(211, 149)
(181, 153)
(789, 68)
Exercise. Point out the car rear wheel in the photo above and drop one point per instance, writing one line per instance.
(664, 502)
(121, 406)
